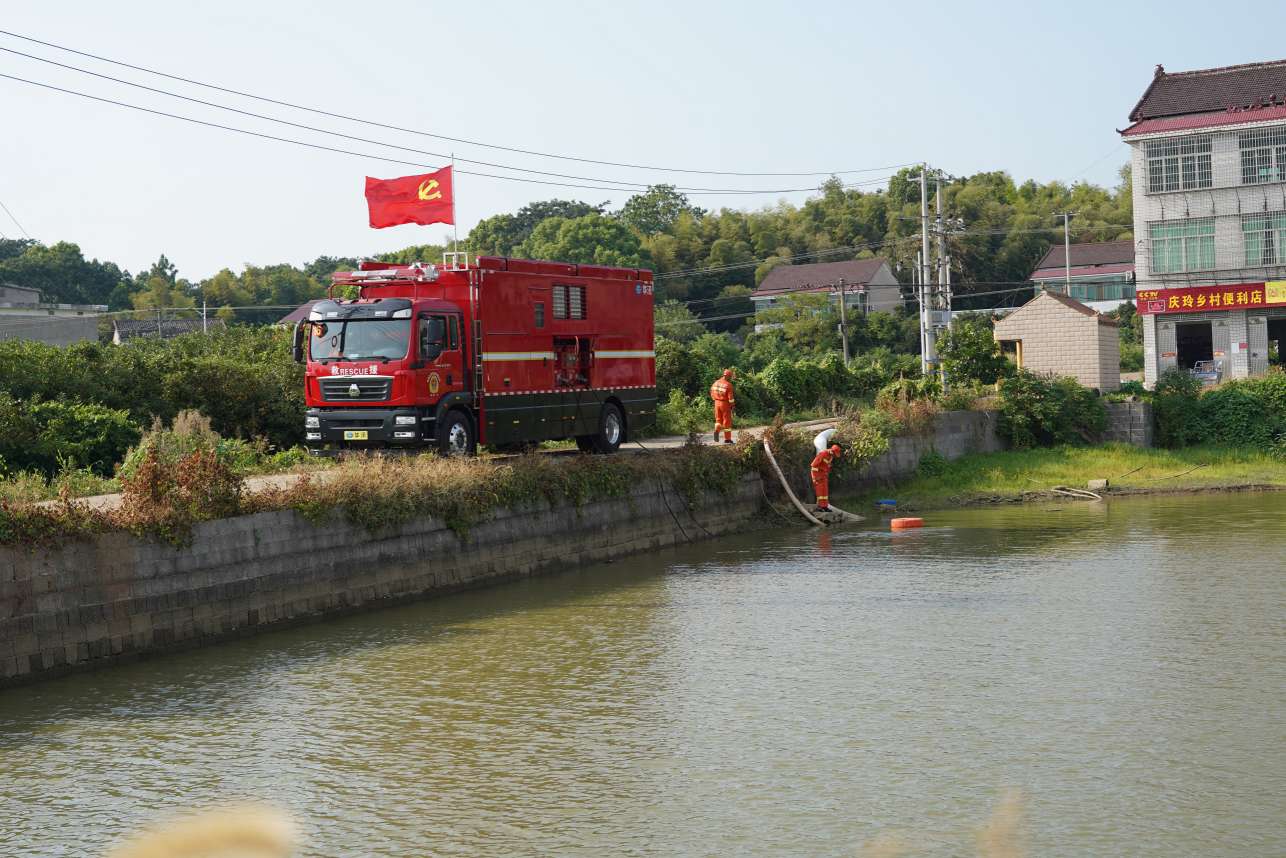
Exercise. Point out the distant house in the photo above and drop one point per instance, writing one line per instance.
(1101, 274)
(868, 284)
(124, 330)
(23, 316)
(1052, 333)
(298, 314)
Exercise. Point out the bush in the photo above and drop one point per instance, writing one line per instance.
(57, 435)
(932, 464)
(1177, 409)
(970, 352)
(963, 397)
(1040, 411)
(683, 415)
(192, 432)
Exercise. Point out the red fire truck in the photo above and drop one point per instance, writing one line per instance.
(502, 352)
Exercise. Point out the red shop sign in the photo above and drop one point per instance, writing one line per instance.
(1200, 299)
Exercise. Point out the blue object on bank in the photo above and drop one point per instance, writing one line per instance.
(886, 502)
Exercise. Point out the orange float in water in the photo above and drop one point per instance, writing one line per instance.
(905, 523)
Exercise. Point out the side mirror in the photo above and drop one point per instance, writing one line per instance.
(298, 350)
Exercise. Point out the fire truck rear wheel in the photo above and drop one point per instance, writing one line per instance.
(611, 430)
(455, 436)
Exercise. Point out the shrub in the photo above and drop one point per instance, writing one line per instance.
(164, 499)
(1040, 411)
(931, 464)
(970, 352)
(1177, 409)
(56, 435)
(683, 415)
(963, 397)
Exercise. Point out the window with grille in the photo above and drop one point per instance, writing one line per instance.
(1262, 237)
(569, 302)
(1263, 155)
(1186, 245)
(1180, 164)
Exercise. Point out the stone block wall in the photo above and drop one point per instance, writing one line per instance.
(94, 602)
(958, 433)
(1129, 423)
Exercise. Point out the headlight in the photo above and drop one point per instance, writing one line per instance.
(403, 434)
(404, 420)
(313, 436)
(312, 422)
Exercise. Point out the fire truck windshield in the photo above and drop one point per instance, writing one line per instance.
(360, 339)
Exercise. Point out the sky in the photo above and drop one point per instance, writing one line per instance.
(1034, 89)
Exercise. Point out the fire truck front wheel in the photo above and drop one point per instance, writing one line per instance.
(455, 435)
(611, 431)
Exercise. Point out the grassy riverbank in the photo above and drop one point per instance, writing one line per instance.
(1016, 475)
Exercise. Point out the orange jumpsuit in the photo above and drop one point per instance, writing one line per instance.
(821, 473)
(724, 399)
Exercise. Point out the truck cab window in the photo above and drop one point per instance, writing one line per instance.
(453, 333)
(433, 335)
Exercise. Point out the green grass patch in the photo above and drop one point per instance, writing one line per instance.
(1012, 474)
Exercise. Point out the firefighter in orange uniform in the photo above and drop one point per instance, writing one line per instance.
(821, 473)
(724, 399)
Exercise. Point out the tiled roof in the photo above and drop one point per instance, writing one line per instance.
(299, 313)
(1082, 271)
(1095, 253)
(1205, 90)
(128, 329)
(1213, 119)
(1070, 303)
(819, 276)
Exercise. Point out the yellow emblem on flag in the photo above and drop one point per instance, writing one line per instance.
(429, 190)
(1275, 292)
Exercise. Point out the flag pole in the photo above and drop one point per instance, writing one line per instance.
(455, 230)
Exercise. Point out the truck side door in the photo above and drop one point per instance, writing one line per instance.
(440, 349)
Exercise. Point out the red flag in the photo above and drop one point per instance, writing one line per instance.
(411, 199)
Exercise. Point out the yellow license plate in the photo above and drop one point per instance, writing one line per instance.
(354, 434)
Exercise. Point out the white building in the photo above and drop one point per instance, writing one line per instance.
(1209, 163)
(23, 316)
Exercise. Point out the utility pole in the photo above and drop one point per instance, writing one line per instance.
(929, 352)
(205, 329)
(944, 265)
(1067, 253)
(843, 319)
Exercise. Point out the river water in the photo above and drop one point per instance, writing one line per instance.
(789, 692)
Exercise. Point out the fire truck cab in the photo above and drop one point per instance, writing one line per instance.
(502, 352)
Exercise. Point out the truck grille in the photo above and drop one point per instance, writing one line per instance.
(367, 389)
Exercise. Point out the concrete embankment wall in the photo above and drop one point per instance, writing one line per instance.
(1129, 423)
(116, 597)
(958, 433)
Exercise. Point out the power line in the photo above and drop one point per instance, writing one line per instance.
(340, 134)
(15, 220)
(372, 156)
(461, 140)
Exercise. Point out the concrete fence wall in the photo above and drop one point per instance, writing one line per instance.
(1129, 423)
(113, 597)
(958, 433)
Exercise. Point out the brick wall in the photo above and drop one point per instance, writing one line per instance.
(958, 433)
(1063, 341)
(94, 602)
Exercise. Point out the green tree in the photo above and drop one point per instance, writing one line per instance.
(657, 209)
(970, 352)
(674, 320)
(502, 234)
(592, 239)
(809, 322)
(60, 272)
